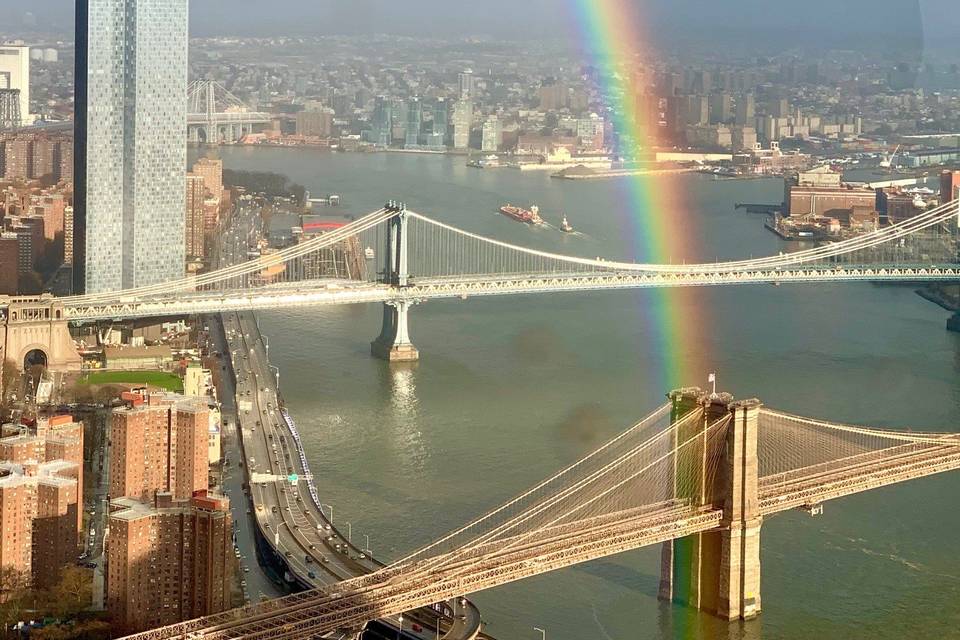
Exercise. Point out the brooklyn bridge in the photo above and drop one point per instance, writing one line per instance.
(698, 476)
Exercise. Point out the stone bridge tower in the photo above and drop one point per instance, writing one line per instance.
(36, 328)
(718, 571)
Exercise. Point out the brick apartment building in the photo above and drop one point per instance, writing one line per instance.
(168, 561)
(41, 495)
(158, 443)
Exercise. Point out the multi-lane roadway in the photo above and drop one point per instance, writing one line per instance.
(284, 507)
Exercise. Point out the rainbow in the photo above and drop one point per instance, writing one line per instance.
(654, 209)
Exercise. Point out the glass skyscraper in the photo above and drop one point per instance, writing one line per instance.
(131, 156)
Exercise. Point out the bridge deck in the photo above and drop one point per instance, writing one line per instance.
(870, 471)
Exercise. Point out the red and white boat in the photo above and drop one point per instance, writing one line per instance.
(529, 216)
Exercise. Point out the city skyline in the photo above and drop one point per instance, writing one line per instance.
(932, 19)
(270, 337)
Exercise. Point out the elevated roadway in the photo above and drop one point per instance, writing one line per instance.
(338, 292)
(284, 504)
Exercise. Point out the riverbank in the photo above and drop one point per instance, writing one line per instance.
(509, 390)
(619, 173)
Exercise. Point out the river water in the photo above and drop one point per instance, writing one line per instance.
(509, 390)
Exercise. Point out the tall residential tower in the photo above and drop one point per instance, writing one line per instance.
(130, 143)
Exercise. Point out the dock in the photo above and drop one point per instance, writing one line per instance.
(764, 209)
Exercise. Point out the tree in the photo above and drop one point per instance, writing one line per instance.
(14, 590)
(72, 594)
(86, 630)
(9, 376)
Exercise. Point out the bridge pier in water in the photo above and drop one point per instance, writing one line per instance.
(393, 344)
(953, 322)
(718, 571)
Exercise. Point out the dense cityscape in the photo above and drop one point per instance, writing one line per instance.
(164, 192)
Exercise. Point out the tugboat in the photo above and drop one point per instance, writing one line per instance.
(565, 226)
(529, 216)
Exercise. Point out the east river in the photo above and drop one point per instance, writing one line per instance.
(509, 390)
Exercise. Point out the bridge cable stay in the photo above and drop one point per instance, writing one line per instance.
(213, 278)
(852, 448)
(605, 504)
(655, 477)
(520, 552)
(489, 256)
(210, 96)
(618, 489)
(634, 478)
(656, 417)
(575, 494)
(797, 454)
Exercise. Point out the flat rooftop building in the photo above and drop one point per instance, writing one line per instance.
(159, 443)
(168, 561)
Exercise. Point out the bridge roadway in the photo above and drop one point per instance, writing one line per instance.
(287, 515)
(485, 566)
(335, 292)
(294, 526)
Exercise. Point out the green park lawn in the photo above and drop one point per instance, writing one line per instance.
(162, 379)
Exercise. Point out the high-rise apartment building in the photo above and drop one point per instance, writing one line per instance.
(698, 111)
(15, 74)
(414, 123)
(9, 263)
(462, 120)
(159, 444)
(41, 493)
(168, 561)
(381, 126)
(211, 170)
(553, 96)
(130, 143)
(315, 123)
(194, 227)
(491, 134)
(468, 84)
(721, 108)
(746, 115)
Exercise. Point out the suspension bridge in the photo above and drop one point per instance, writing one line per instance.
(421, 259)
(698, 476)
(216, 116)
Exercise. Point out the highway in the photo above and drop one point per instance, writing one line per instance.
(284, 507)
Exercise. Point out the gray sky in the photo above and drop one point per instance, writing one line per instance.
(877, 22)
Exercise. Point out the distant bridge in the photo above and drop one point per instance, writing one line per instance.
(216, 116)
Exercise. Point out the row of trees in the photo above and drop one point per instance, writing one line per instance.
(271, 184)
(66, 604)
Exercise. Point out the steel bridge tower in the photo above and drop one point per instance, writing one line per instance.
(10, 116)
(393, 344)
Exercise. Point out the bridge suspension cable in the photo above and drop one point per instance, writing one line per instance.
(210, 280)
(657, 417)
(495, 257)
(793, 449)
(656, 481)
(440, 253)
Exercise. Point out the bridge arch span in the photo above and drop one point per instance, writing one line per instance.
(34, 355)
